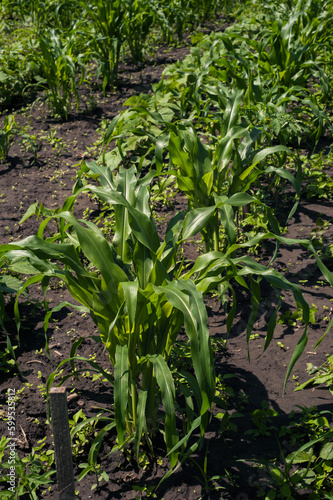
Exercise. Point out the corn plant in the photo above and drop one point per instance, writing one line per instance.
(38, 13)
(139, 297)
(218, 185)
(135, 296)
(57, 67)
(138, 20)
(105, 34)
(9, 285)
(216, 177)
(220, 271)
(206, 8)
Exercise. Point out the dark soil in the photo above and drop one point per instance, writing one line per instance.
(49, 180)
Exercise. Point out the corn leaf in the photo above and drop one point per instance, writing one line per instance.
(166, 384)
(121, 378)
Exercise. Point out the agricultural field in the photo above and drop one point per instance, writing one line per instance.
(166, 247)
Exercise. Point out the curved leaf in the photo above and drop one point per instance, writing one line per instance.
(261, 156)
(195, 220)
(168, 394)
(121, 380)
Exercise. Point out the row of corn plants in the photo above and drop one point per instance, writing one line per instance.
(56, 47)
(140, 296)
(197, 135)
(197, 131)
(285, 78)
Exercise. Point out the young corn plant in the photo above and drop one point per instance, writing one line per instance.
(220, 271)
(138, 20)
(106, 35)
(58, 67)
(139, 297)
(135, 295)
(216, 180)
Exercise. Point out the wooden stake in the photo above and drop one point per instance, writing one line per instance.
(62, 443)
